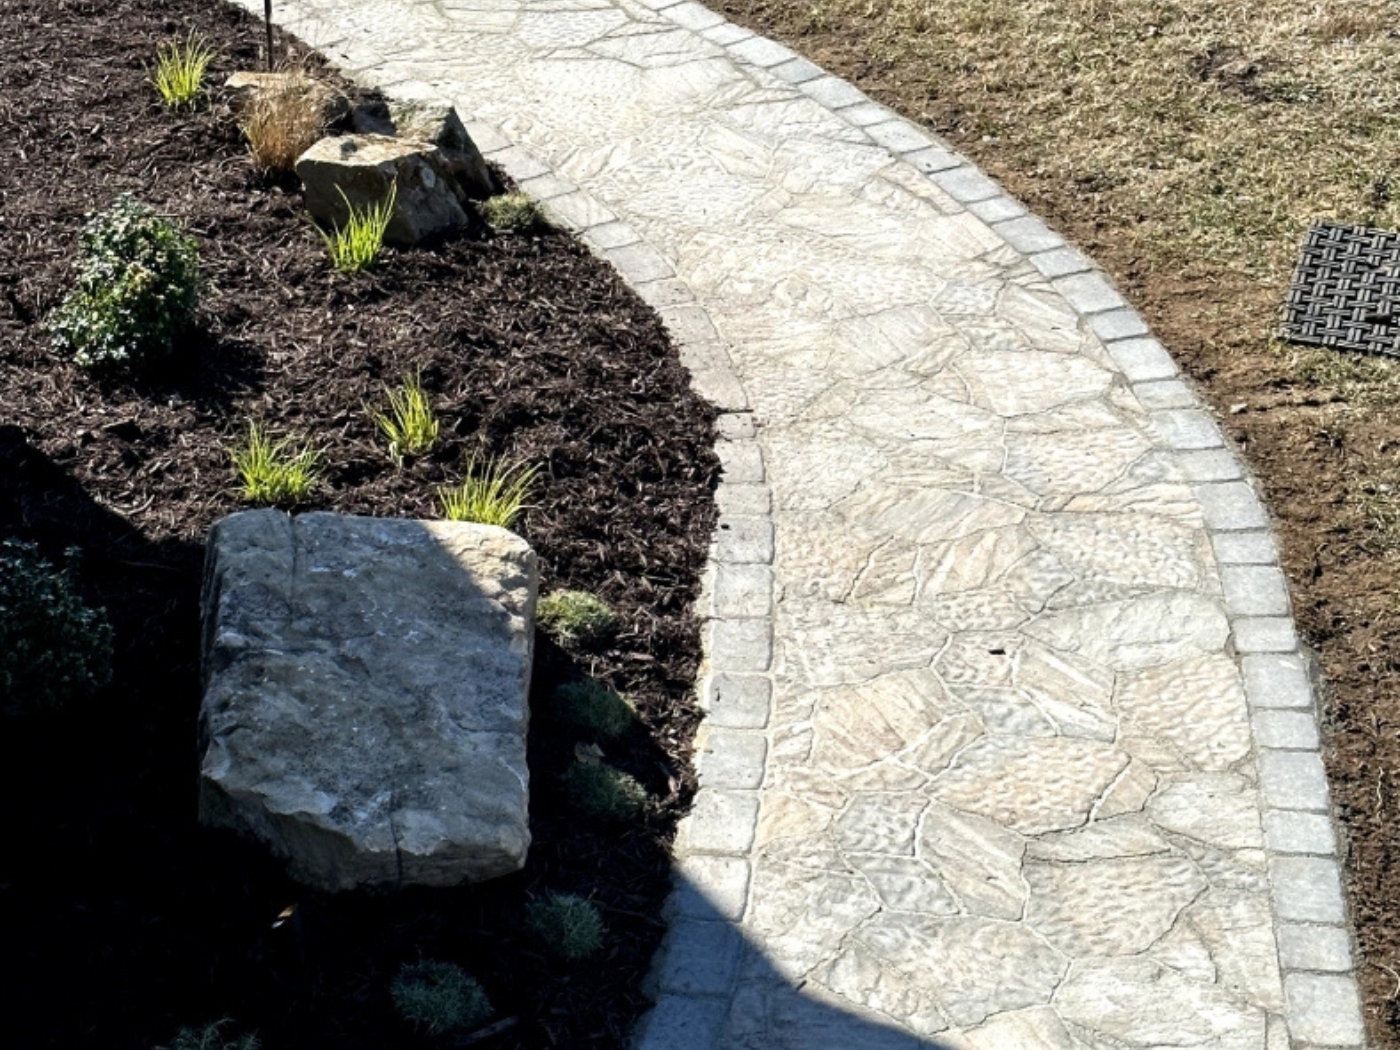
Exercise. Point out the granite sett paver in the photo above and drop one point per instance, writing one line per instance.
(1008, 740)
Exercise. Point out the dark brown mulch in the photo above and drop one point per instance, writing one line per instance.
(122, 919)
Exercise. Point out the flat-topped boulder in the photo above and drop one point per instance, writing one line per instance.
(344, 171)
(422, 117)
(365, 695)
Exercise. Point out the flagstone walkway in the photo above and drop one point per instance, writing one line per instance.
(1009, 742)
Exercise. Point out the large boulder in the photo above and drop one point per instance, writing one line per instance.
(365, 695)
(425, 118)
(365, 167)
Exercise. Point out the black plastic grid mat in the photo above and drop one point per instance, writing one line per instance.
(1346, 290)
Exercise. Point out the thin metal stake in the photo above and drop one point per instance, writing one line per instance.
(267, 18)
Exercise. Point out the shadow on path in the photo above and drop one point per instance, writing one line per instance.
(716, 990)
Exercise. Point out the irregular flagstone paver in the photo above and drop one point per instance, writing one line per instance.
(992, 603)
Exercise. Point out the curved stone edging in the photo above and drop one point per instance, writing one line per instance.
(698, 973)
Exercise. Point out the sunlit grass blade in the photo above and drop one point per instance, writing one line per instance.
(356, 245)
(180, 69)
(274, 472)
(495, 494)
(409, 423)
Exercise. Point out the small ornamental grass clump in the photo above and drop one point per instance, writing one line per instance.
(137, 288)
(410, 423)
(272, 472)
(53, 647)
(495, 494)
(282, 123)
(568, 924)
(514, 211)
(439, 997)
(355, 247)
(595, 707)
(575, 617)
(211, 1037)
(601, 791)
(180, 69)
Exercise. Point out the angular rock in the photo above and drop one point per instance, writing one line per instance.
(243, 86)
(365, 698)
(365, 167)
(436, 123)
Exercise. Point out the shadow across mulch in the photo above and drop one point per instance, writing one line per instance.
(123, 919)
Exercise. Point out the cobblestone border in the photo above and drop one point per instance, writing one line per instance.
(697, 970)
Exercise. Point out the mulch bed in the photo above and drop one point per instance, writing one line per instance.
(123, 919)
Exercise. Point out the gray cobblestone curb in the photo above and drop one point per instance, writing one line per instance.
(697, 971)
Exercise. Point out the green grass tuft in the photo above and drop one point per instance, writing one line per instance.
(180, 69)
(410, 423)
(211, 1037)
(595, 707)
(603, 792)
(439, 997)
(575, 617)
(355, 247)
(514, 211)
(495, 494)
(275, 473)
(568, 924)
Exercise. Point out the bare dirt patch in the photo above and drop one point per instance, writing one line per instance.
(1185, 145)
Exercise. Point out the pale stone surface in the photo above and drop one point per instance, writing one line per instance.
(1324, 948)
(1196, 705)
(364, 707)
(422, 116)
(1031, 786)
(1324, 1009)
(1141, 1003)
(997, 676)
(1038, 1028)
(365, 168)
(1110, 907)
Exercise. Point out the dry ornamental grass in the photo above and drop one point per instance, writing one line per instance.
(282, 123)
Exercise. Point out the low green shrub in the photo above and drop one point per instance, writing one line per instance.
(356, 245)
(570, 925)
(137, 288)
(439, 997)
(275, 473)
(211, 1037)
(409, 423)
(514, 211)
(593, 706)
(491, 495)
(180, 69)
(601, 791)
(575, 617)
(53, 647)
